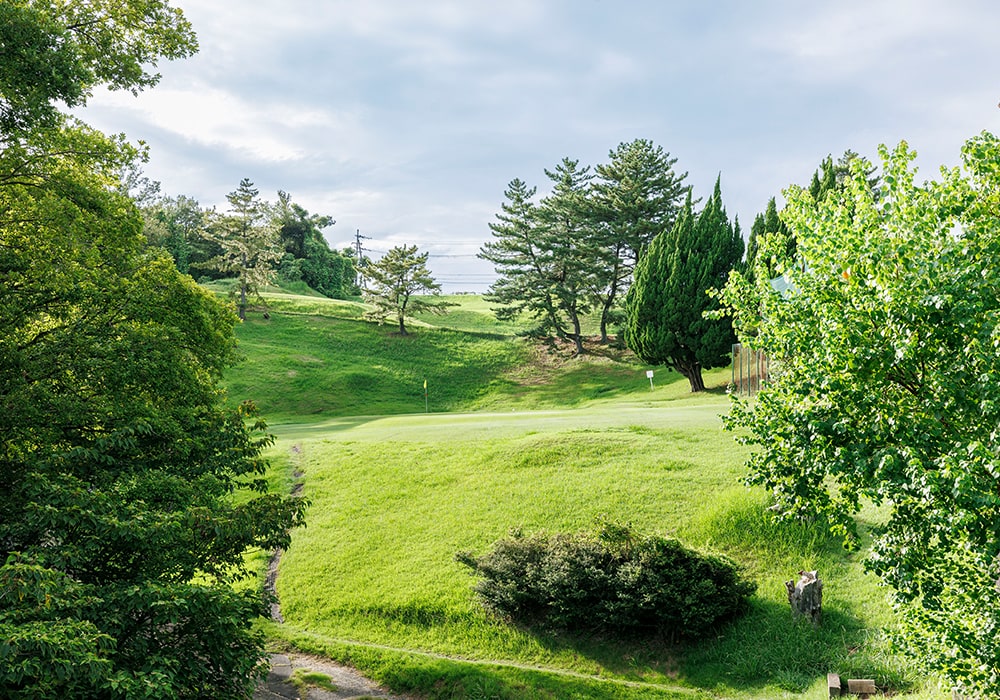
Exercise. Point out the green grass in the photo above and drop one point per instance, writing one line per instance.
(317, 360)
(523, 436)
(394, 499)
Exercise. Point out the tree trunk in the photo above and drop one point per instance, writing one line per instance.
(806, 596)
(402, 327)
(577, 334)
(609, 303)
(243, 290)
(692, 371)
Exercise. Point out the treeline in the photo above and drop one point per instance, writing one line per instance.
(626, 240)
(288, 241)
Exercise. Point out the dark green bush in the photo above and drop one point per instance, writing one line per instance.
(610, 581)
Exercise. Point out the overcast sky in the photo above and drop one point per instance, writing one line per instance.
(406, 119)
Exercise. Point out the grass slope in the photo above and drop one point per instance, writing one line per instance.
(544, 443)
(314, 358)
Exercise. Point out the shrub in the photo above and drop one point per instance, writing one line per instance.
(610, 581)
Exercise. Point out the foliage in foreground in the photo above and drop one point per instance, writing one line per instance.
(617, 581)
(118, 459)
(885, 353)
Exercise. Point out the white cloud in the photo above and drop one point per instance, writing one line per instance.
(406, 119)
(217, 118)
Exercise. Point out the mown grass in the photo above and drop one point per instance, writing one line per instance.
(299, 367)
(392, 503)
(316, 359)
(545, 442)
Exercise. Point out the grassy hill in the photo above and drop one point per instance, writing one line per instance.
(523, 435)
(314, 357)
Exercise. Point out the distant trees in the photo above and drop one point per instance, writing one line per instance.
(574, 251)
(297, 248)
(666, 307)
(307, 255)
(394, 283)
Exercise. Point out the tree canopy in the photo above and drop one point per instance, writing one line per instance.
(119, 461)
(575, 250)
(885, 356)
(248, 239)
(81, 45)
(635, 195)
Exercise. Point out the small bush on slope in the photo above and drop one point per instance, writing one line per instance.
(615, 581)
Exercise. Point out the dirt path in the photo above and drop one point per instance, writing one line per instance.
(346, 682)
(341, 682)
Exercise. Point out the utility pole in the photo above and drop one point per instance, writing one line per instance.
(357, 245)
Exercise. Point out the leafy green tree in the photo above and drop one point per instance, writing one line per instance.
(118, 462)
(56, 53)
(635, 195)
(666, 307)
(307, 252)
(249, 242)
(885, 352)
(769, 224)
(397, 285)
(829, 177)
(177, 224)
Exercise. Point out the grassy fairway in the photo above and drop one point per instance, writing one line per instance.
(395, 498)
(521, 437)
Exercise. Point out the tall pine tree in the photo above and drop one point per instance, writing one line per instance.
(521, 260)
(249, 242)
(635, 195)
(665, 308)
(576, 259)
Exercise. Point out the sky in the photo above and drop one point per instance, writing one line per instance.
(406, 120)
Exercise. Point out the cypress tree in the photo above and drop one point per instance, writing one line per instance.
(665, 307)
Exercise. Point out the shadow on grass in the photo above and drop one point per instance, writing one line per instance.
(768, 648)
(323, 424)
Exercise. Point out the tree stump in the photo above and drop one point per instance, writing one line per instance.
(806, 596)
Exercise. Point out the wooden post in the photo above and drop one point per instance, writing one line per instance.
(833, 684)
(806, 596)
(861, 686)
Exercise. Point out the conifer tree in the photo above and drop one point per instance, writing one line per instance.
(249, 242)
(666, 305)
(521, 261)
(566, 232)
(768, 223)
(547, 254)
(396, 284)
(635, 195)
